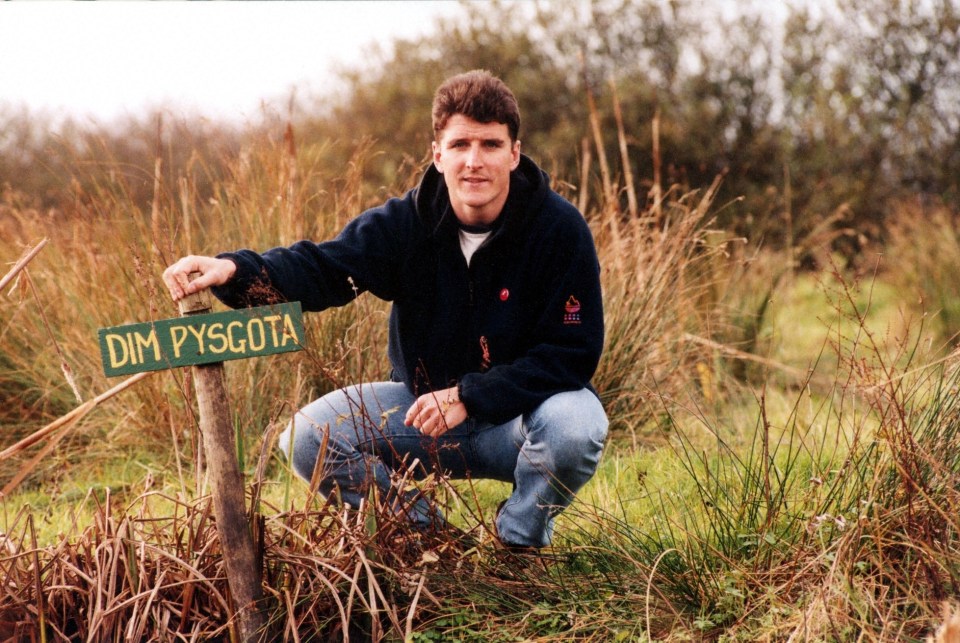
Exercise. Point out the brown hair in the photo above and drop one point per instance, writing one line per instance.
(479, 95)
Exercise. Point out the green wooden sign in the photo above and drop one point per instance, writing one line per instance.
(201, 339)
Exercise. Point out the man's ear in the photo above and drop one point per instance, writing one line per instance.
(436, 156)
(515, 153)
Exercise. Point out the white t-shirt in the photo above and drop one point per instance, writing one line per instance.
(470, 241)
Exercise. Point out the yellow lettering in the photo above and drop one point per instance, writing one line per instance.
(272, 320)
(199, 335)
(133, 350)
(235, 347)
(215, 336)
(289, 330)
(178, 341)
(258, 324)
(149, 342)
(117, 350)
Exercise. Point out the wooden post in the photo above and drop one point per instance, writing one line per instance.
(227, 488)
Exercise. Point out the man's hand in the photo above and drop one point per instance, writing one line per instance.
(213, 272)
(436, 413)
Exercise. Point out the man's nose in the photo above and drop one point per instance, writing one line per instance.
(474, 156)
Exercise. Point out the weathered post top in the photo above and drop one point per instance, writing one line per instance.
(197, 302)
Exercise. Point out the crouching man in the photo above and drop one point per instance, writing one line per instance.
(495, 331)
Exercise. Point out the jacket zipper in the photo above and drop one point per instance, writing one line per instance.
(473, 333)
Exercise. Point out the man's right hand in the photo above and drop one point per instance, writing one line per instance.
(213, 272)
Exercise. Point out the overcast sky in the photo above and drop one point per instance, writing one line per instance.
(109, 59)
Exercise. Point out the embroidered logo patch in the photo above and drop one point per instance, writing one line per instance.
(485, 354)
(571, 313)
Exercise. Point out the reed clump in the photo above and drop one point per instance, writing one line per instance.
(152, 569)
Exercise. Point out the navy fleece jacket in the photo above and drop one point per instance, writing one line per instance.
(522, 323)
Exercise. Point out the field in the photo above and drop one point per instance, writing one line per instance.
(782, 464)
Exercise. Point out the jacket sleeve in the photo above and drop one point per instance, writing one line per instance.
(363, 257)
(566, 340)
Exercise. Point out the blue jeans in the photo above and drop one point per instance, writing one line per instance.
(548, 454)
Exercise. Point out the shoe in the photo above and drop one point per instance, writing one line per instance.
(522, 550)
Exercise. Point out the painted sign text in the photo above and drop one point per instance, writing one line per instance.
(201, 339)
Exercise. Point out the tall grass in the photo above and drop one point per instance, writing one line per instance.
(652, 298)
(726, 506)
(102, 266)
(922, 255)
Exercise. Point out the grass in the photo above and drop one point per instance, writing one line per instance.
(796, 480)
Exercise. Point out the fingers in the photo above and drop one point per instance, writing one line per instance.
(213, 272)
(435, 413)
(425, 415)
(176, 277)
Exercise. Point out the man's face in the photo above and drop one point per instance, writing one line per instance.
(476, 160)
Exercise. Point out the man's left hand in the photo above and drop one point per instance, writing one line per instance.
(436, 413)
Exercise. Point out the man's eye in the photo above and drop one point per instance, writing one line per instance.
(492, 144)
(460, 144)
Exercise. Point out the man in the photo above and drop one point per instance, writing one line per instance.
(496, 325)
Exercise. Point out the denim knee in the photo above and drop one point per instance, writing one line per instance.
(299, 446)
(338, 423)
(574, 428)
(308, 432)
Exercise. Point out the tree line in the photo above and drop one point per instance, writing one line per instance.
(846, 106)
